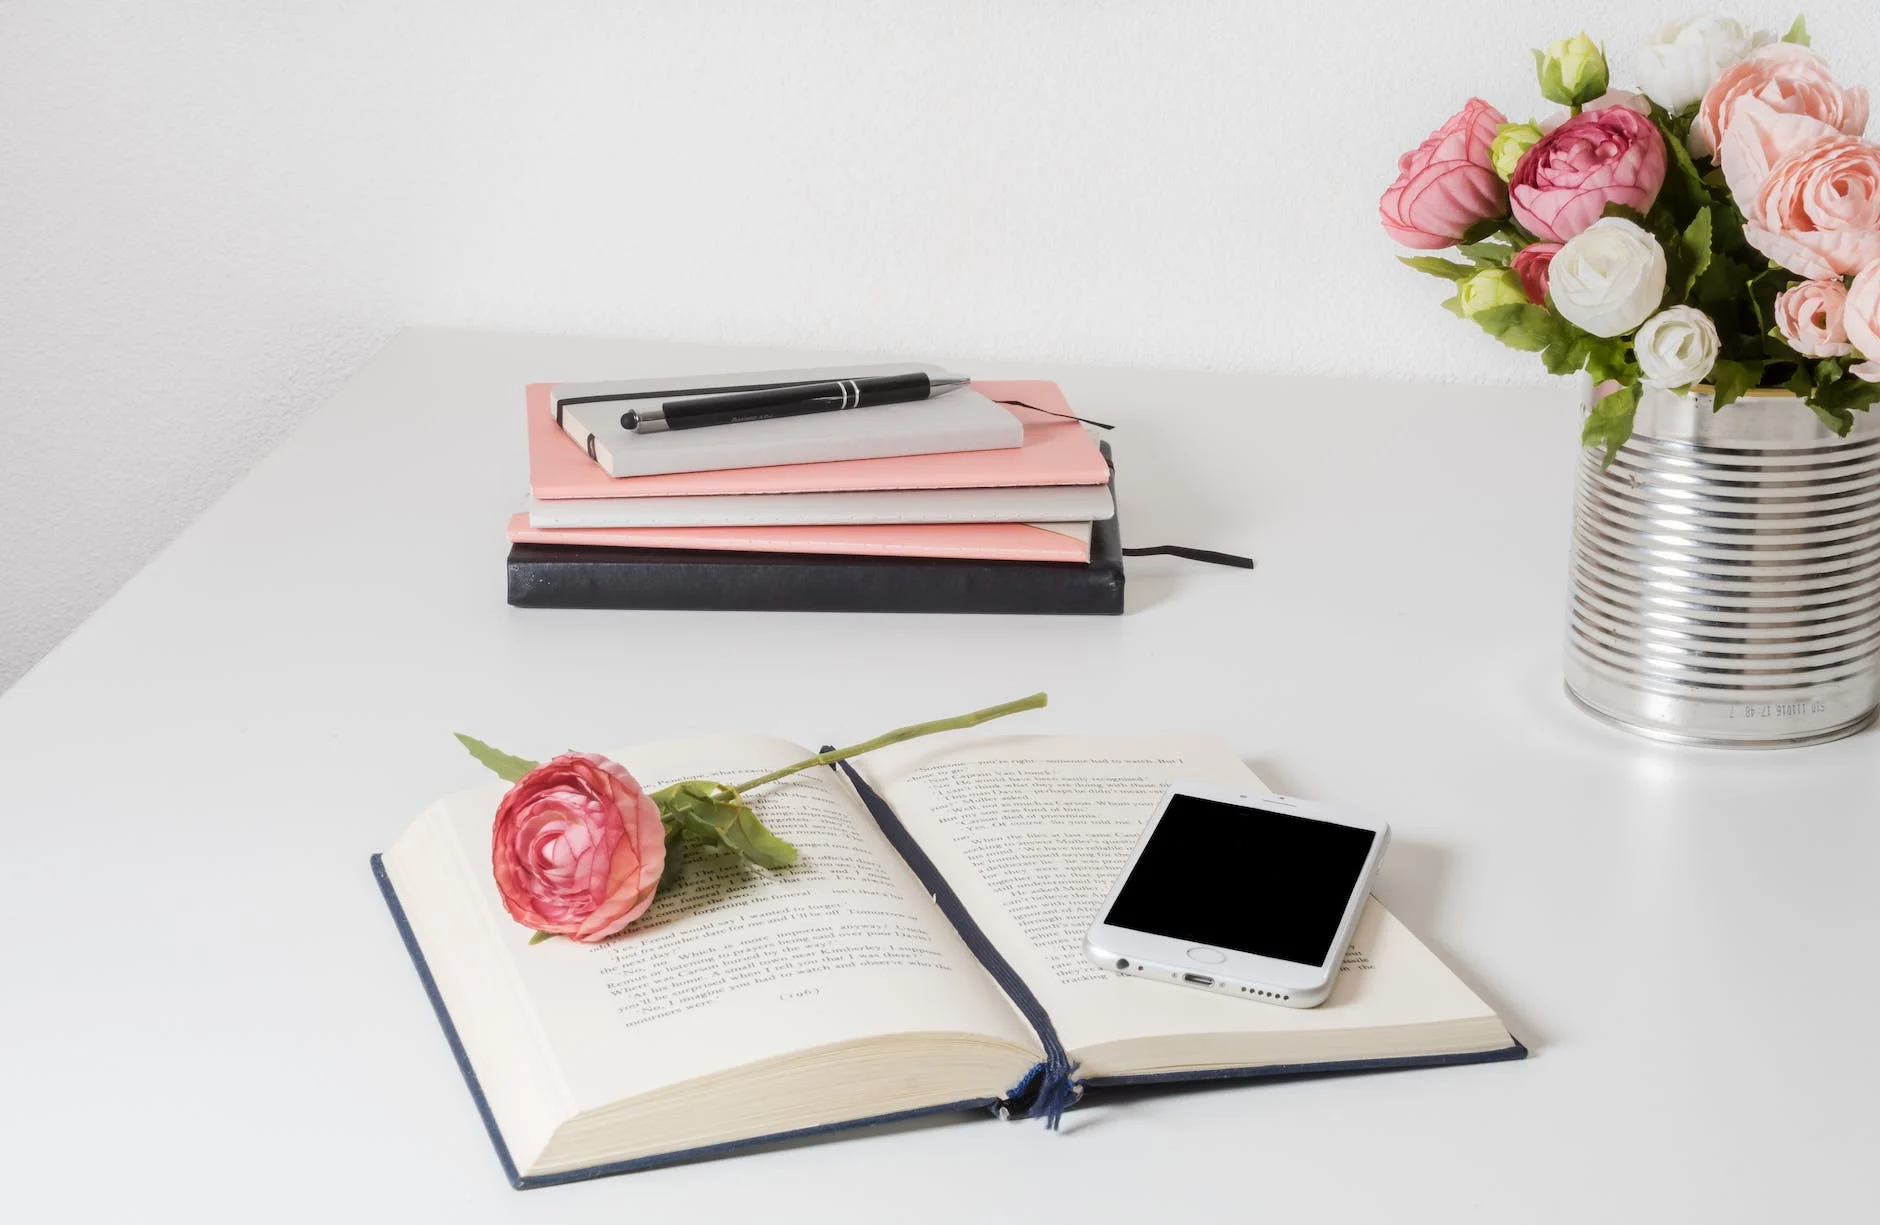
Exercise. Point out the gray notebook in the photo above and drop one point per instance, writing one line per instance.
(962, 420)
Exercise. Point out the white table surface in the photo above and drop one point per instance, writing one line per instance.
(207, 1015)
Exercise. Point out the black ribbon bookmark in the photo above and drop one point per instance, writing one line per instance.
(1052, 412)
(1204, 555)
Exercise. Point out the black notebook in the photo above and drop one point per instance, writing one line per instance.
(925, 955)
(573, 576)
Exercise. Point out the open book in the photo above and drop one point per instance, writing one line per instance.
(925, 954)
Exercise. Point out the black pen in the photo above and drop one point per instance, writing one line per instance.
(794, 401)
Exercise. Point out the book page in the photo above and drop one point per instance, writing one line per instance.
(736, 964)
(1032, 832)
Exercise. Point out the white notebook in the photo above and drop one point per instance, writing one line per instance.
(1033, 504)
(962, 420)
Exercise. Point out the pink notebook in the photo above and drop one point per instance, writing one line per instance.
(1066, 542)
(1056, 452)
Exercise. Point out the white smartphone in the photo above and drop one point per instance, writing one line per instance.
(1241, 893)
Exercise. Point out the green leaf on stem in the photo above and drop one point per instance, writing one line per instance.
(1453, 305)
(538, 937)
(1840, 420)
(675, 856)
(1435, 265)
(1732, 379)
(711, 813)
(1692, 255)
(1837, 402)
(1565, 356)
(1609, 357)
(1610, 422)
(1683, 181)
(1798, 33)
(506, 767)
(1486, 228)
(1532, 329)
(1489, 254)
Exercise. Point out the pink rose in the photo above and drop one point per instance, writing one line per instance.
(1809, 316)
(577, 848)
(1565, 181)
(1530, 264)
(1810, 195)
(1446, 184)
(1788, 78)
(1861, 319)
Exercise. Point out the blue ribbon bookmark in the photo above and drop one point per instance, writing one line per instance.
(1051, 1087)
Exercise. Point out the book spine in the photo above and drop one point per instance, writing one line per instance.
(559, 576)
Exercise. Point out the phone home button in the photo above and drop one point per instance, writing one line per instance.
(1207, 956)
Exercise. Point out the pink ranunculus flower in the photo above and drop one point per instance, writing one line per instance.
(1810, 318)
(1816, 210)
(1786, 77)
(1564, 183)
(577, 848)
(1530, 264)
(1447, 183)
(1861, 319)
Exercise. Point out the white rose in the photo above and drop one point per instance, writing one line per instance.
(1608, 277)
(1677, 347)
(1678, 63)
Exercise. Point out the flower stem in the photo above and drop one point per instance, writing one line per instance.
(896, 736)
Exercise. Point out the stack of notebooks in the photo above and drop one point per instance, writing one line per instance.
(992, 498)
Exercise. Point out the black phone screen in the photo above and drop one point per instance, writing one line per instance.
(1243, 878)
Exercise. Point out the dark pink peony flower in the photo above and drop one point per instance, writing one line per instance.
(1564, 183)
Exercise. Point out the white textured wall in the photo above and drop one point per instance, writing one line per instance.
(210, 213)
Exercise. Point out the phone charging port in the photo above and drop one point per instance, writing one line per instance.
(1199, 980)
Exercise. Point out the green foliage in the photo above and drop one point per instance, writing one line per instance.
(709, 813)
(1532, 329)
(1732, 379)
(1610, 422)
(1486, 228)
(1435, 265)
(675, 855)
(538, 937)
(506, 767)
(1488, 254)
(1684, 189)
(1839, 399)
(1798, 33)
(1690, 256)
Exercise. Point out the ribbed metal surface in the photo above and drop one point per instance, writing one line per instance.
(1726, 575)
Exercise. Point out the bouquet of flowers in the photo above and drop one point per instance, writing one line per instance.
(1720, 226)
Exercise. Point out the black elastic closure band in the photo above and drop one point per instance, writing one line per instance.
(1203, 555)
(591, 454)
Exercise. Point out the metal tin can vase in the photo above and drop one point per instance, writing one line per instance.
(1725, 585)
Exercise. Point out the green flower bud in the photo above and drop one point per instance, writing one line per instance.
(1511, 141)
(1489, 288)
(1572, 71)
